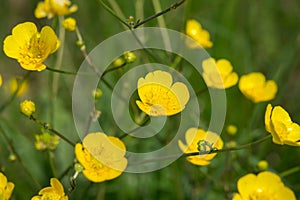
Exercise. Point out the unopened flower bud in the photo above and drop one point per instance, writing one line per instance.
(129, 57)
(69, 24)
(262, 165)
(27, 108)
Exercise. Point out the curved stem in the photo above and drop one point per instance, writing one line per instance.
(47, 127)
(61, 71)
(229, 149)
(57, 67)
(290, 171)
(172, 7)
(13, 150)
(52, 163)
(113, 13)
(204, 152)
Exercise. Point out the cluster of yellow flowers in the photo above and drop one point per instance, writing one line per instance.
(103, 157)
(254, 86)
(219, 74)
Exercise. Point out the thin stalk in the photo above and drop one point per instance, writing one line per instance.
(290, 171)
(205, 152)
(113, 69)
(61, 35)
(113, 13)
(66, 171)
(52, 163)
(18, 157)
(162, 24)
(47, 127)
(172, 7)
(116, 8)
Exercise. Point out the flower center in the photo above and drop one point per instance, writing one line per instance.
(261, 194)
(34, 51)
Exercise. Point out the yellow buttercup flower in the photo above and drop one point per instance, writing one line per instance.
(0, 80)
(279, 123)
(30, 47)
(69, 24)
(265, 185)
(159, 97)
(195, 31)
(50, 8)
(27, 108)
(219, 74)
(6, 188)
(101, 156)
(54, 192)
(255, 87)
(46, 141)
(192, 138)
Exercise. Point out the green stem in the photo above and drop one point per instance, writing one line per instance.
(113, 69)
(52, 163)
(162, 24)
(290, 171)
(139, 9)
(229, 149)
(61, 71)
(146, 118)
(66, 171)
(57, 67)
(172, 7)
(113, 13)
(13, 150)
(205, 152)
(116, 8)
(47, 127)
(201, 91)
(12, 98)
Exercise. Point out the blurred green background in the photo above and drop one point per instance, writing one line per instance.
(254, 35)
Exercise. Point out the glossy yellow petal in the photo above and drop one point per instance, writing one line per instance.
(159, 97)
(55, 191)
(231, 80)
(219, 74)
(183, 147)
(3, 180)
(237, 196)
(157, 77)
(21, 35)
(247, 185)
(194, 134)
(57, 186)
(101, 156)
(255, 87)
(182, 93)
(30, 47)
(265, 185)
(279, 114)
(293, 136)
(195, 31)
(224, 67)
(49, 40)
(40, 10)
(192, 137)
(268, 117)
(198, 160)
